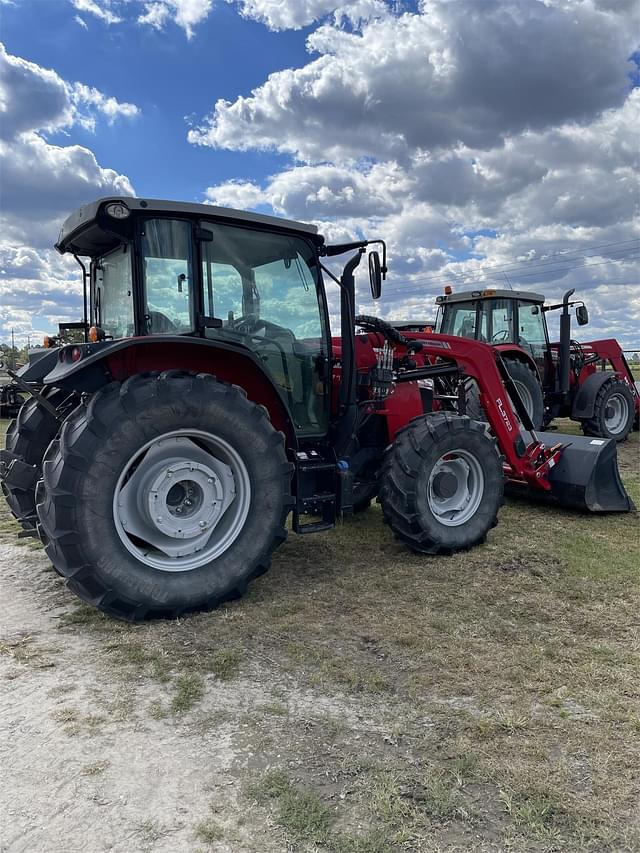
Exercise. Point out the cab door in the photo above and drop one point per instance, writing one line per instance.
(532, 336)
(167, 275)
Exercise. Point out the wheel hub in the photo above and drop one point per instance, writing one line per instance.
(616, 413)
(455, 487)
(185, 498)
(445, 484)
(173, 505)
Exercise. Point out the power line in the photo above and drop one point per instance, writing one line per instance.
(514, 266)
(516, 269)
(429, 284)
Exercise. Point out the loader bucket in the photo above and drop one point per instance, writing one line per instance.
(586, 476)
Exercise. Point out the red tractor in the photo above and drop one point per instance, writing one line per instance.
(158, 460)
(588, 382)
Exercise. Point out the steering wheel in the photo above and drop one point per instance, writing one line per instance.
(502, 335)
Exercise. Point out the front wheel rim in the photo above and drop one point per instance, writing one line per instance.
(616, 413)
(455, 487)
(181, 500)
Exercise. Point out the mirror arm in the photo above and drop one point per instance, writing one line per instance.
(341, 248)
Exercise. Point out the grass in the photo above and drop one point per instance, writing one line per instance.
(300, 812)
(488, 700)
(208, 831)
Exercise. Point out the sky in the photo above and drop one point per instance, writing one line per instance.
(489, 142)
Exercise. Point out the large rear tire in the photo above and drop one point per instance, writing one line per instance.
(613, 411)
(28, 437)
(442, 484)
(164, 495)
(528, 387)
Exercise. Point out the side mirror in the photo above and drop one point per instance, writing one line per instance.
(375, 275)
(582, 315)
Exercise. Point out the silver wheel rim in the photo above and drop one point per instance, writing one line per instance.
(181, 500)
(455, 487)
(616, 413)
(525, 396)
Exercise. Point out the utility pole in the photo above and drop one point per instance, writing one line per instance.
(13, 351)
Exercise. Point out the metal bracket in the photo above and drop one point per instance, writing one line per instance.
(42, 400)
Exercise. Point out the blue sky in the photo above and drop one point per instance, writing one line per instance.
(480, 138)
(167, 76)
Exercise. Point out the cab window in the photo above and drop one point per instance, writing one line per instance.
(460, 320)
(501, 321)
(530, 325)
(113, 293)
(167, 276)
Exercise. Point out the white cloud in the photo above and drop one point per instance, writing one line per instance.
(487, 143)
(185, 13)
(295, 14)
(36, 98)
(41, 184)
(80, 22)
(430, 81)
(101, 10)
(31, 97)
(155, 15)
(87, 96)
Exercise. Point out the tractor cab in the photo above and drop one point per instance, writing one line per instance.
(248, 281)
(503, 318)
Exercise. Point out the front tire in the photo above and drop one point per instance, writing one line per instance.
(613, 412)
(442, 484)
(164, 495)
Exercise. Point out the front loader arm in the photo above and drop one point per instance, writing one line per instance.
(527, 459)
(576, 471)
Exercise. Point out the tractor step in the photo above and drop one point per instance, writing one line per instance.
(586, 476)
(316, 482)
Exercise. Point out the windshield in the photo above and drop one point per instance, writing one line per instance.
(113, 299)
(263, 287)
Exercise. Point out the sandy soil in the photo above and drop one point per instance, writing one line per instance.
(103, 778)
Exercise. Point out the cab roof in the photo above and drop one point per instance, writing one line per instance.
(89, 230)
(489, 293)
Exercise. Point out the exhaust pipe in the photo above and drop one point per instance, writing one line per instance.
(565, 343)
(586, 476)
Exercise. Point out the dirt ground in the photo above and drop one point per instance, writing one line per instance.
(359, 699)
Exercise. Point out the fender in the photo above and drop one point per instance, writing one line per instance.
(585, 399)
(101, 363)
(41, 361)
(508, 351)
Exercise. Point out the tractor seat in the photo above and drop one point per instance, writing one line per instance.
(468, 329)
